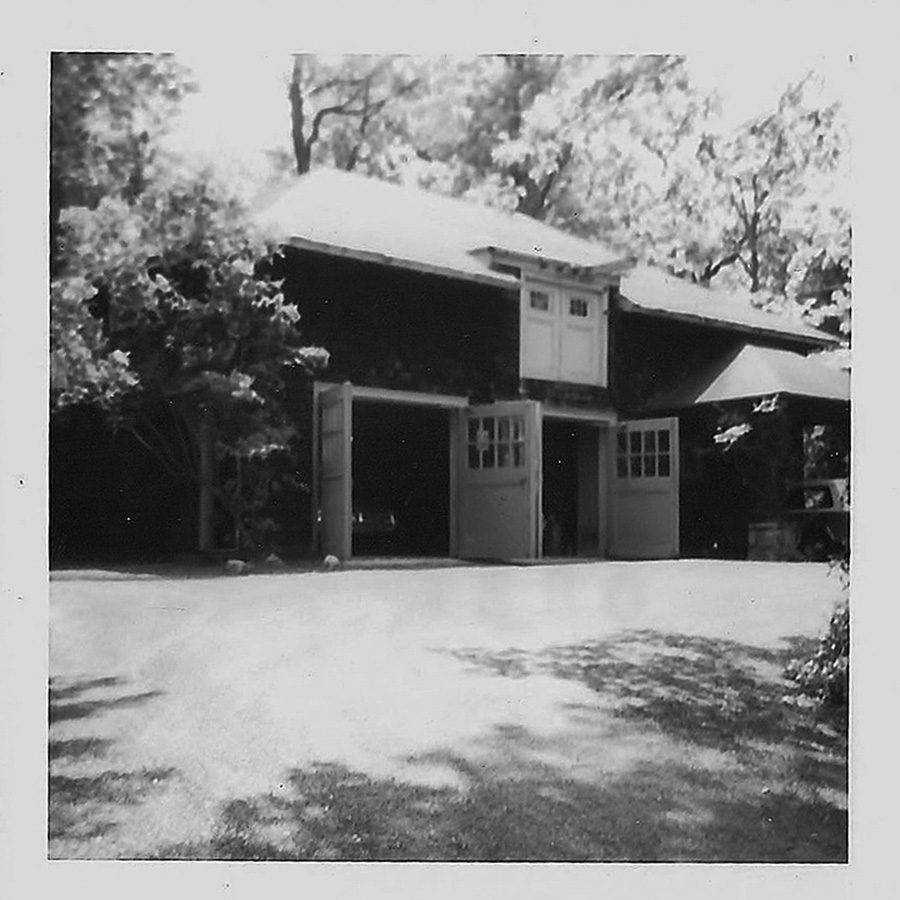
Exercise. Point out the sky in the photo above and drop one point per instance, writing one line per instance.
(241, 107)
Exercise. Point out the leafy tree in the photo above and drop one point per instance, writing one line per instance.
(339, 108)
(105, 111)
(162, 312)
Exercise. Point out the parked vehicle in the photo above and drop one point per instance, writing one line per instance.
(818, 517)
(369, 520)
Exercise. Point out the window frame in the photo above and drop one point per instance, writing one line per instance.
(503, 440)
(634, 461)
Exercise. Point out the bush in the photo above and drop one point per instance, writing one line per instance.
(825, 676)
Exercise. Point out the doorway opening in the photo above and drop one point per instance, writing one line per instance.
(401, 480)
(570, 489)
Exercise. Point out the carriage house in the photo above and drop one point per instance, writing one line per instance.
(491, 378)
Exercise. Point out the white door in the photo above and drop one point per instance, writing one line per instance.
(582, 353)
(499, 484)
(335, 410)
(563, 334)
(645, 489)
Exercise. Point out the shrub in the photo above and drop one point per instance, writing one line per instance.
(825, 676)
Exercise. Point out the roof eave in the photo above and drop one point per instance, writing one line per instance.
(816, 340)
(612, 269)
(493, 279)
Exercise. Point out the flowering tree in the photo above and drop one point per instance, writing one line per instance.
(163, 316)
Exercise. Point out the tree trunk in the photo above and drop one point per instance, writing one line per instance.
(206, 508)
(302, 147)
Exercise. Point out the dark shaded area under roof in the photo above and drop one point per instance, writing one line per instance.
(752, 372)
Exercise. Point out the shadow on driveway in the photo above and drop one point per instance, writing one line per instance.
(85, 804)
(766, 781)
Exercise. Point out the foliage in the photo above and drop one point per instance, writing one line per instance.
(757, 438)
(105, 111)
(162, 311)
(339, 108)
(825, 676)
(621, 149)
(177, 282)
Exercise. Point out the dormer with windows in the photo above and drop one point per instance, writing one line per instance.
(563, 331)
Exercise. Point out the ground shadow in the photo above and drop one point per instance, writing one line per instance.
(84, 804)
(707, 691)
(653, 813)
(772, 790)
(62, 705)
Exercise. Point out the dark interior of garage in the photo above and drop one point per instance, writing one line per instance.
(560, 489)
(569, 493)
(401, 480)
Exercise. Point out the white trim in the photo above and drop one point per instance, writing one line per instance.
(411, 398)
(575, 414)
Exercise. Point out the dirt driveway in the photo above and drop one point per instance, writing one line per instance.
(597, 711)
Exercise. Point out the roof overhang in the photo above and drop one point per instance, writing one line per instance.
(488, 277)
(566, 268)
(821, 341)
(751, 373)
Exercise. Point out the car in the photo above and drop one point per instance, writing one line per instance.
(370, 520)
(374, 521)
(818, 517)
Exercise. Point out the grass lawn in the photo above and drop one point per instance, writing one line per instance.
(637, 744)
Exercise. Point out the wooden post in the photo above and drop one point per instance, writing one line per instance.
(206, 508)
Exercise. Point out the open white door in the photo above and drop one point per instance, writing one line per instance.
(645, 489)
(499, 485)
(335, 483)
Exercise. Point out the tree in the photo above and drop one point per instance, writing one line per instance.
(162, 313)
(180, 284)
(627, 151)
(105, 111)
(338, 108)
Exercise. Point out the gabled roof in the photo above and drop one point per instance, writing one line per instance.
(345, 214)
(753, 372)
(348, 214)
(650, 290)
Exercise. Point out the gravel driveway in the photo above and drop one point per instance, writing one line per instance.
(596, 711)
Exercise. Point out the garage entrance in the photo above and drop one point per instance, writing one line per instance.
(401, 480)
(572, 489)
(384, 471)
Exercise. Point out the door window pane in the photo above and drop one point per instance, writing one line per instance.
(643, 453)
(518, 454)
(664, 471)
(579, 307)
(539, 300)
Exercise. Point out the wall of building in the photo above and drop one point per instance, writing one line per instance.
(651, 353)
(400, 329)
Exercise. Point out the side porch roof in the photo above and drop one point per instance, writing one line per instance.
(753, 372)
